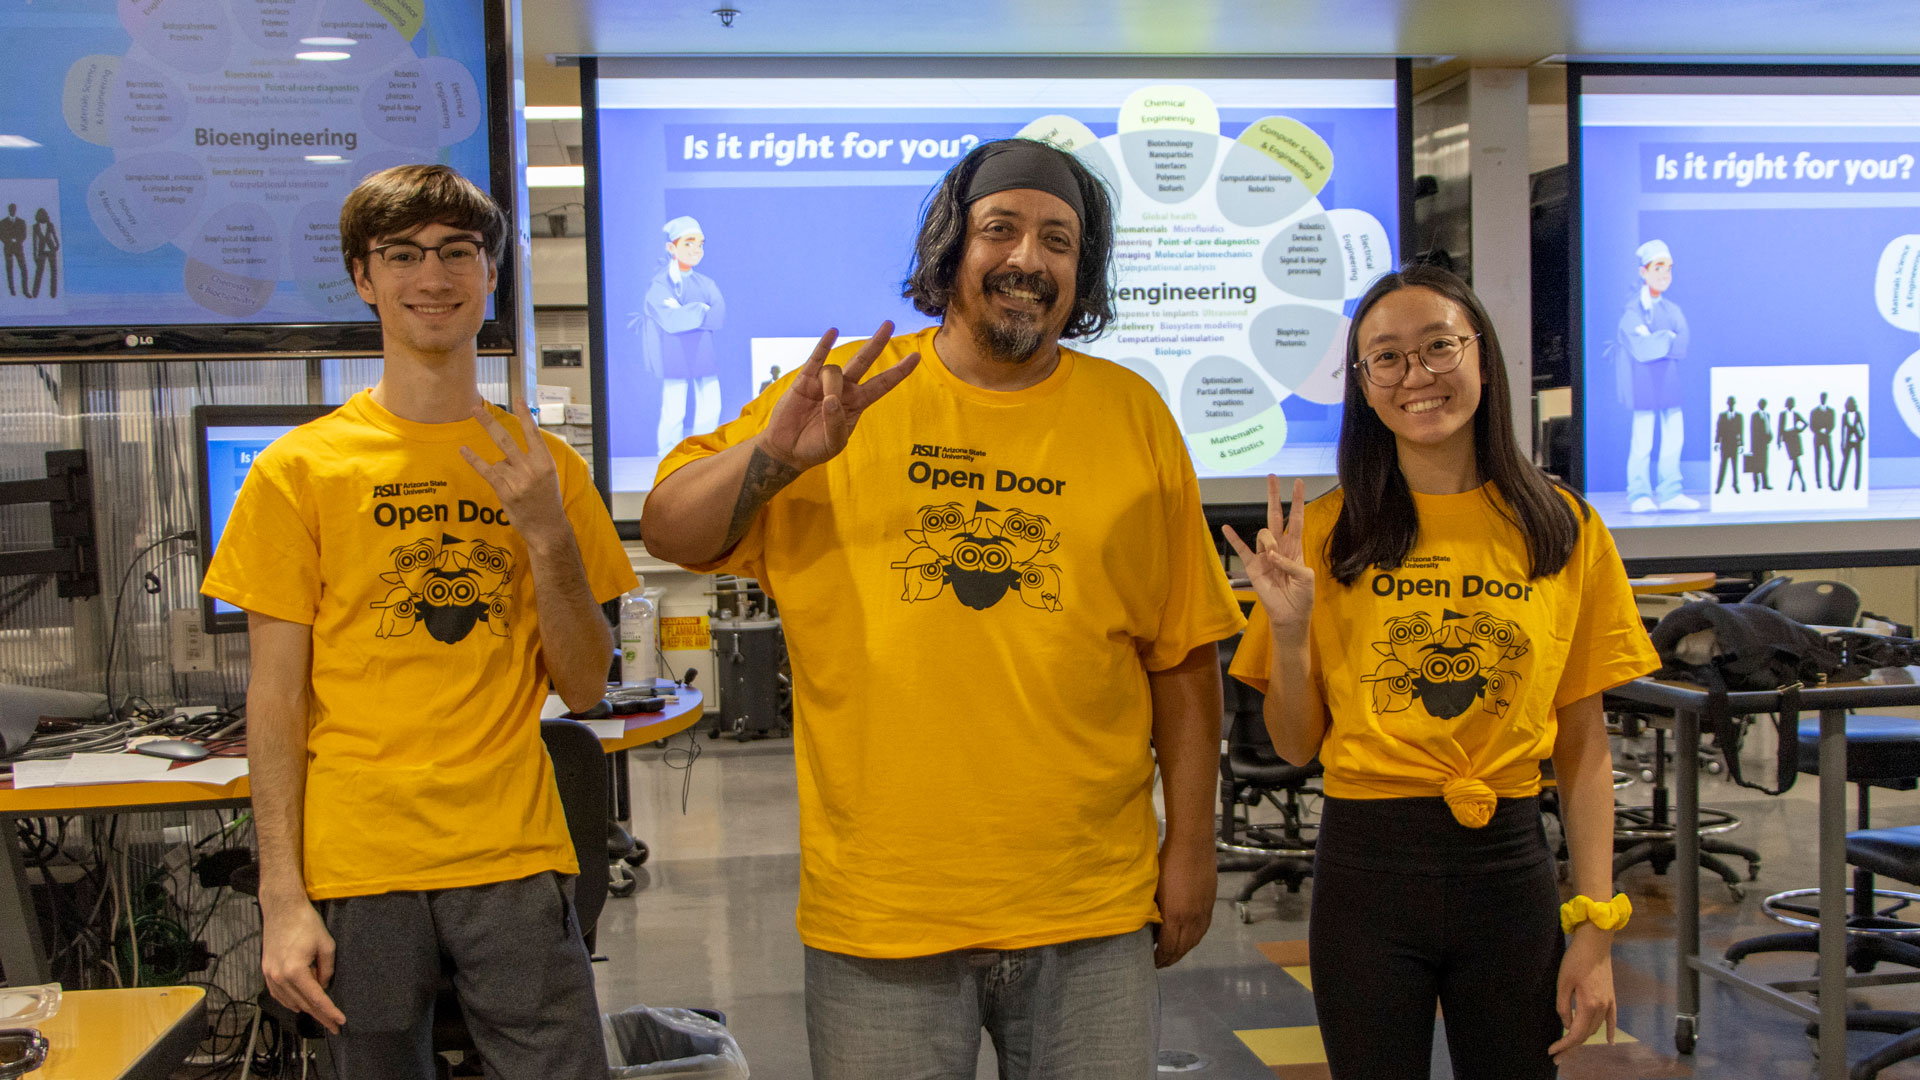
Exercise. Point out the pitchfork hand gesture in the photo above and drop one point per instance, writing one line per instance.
(1278, 569)
(814, 419)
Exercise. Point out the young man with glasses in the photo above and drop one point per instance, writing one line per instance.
(414, 567)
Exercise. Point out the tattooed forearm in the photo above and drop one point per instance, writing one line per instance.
(765, 477)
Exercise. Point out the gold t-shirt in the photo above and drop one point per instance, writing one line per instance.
(425, 768)
(973, 593)
(1442, 677)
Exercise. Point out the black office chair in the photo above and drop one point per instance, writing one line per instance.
(1816, 603)
(580, 772)
(1252, 774)
(1646, 833)
(1893, 853)
(1883, 752)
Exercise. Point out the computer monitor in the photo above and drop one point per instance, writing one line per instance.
(1255, 202)
(227, 439)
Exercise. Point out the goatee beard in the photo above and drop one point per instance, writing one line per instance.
(1011, 342)
(1016, 337)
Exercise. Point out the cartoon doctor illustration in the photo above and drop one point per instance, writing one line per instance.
(1652, 339)
(683, 309)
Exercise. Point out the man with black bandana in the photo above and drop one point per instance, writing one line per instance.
(1002, 606)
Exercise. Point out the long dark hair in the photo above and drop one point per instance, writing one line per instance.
(943, 239)
(1378, 523)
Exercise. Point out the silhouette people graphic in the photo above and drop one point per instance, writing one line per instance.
(1853, 440)
(1791, 425)
(46, 261)
(1728, 435)
(1820, 423)
(1759, 438)
(13, 247)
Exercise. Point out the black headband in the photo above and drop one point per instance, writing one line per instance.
(1024, 163)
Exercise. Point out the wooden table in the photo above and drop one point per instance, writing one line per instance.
(1884, 688)
(22, 953)
(141, 1034)
(643, 728)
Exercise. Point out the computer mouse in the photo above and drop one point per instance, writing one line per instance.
(172, 749)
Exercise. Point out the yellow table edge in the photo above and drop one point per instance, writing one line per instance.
(121, 1028)
(643, 728)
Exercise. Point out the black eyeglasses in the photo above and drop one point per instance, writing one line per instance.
(22, 1050)
(1439, 355)
(405, 256)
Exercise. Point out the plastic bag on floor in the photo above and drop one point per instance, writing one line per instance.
(657, 1044)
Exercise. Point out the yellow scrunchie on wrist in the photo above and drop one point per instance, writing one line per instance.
(1611, 915)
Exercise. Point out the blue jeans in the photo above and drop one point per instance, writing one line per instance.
(1673, 432)
(1079, 1010)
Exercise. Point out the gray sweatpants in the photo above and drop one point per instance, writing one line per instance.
(519, 967)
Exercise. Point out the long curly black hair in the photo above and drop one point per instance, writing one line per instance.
(943, 239)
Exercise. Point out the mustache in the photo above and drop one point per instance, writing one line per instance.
(1036, 283)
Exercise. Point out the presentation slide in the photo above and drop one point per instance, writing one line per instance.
(1250, 215)
(178, 162)
(1750, 265)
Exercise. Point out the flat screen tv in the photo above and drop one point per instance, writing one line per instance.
(227, 438)
(1256, 202)
(171, 172)
(1745, 265)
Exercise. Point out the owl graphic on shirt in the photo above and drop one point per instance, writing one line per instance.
(982, 554)
(447, 585)
(1449, 665)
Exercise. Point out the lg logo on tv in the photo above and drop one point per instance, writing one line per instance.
(134, 341)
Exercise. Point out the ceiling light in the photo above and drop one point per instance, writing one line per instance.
(16, 142)
(726, 15)
(556, 176)
(322, 56)
(553, 112)
(328, 41)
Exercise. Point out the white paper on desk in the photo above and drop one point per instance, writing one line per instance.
(553, 708)
(31, 774)
(608, 729)
(219, 771)
(94, 769)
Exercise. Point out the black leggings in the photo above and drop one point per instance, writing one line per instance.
(1411, 908)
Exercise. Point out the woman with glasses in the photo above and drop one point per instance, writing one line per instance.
(1433, 629)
